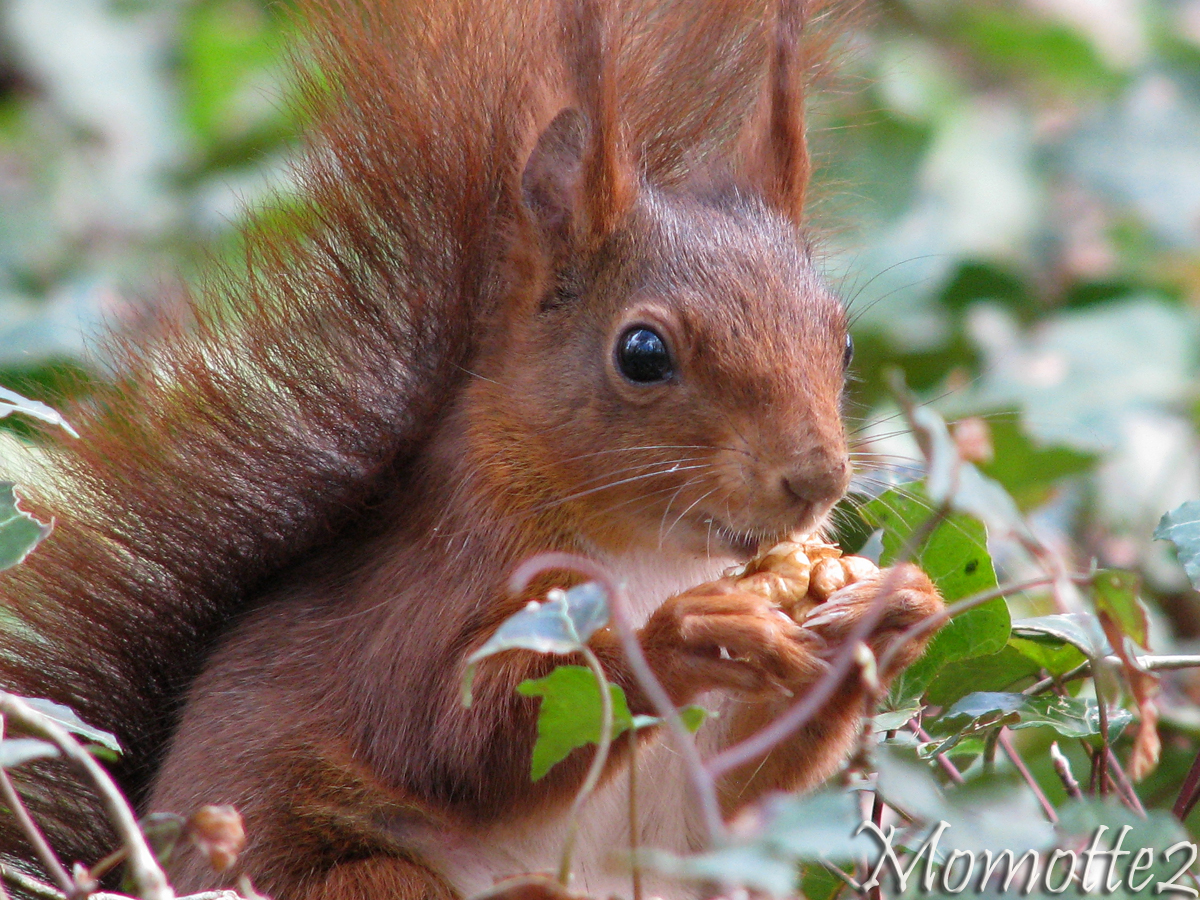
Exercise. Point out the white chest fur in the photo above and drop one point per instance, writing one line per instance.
(667, 817)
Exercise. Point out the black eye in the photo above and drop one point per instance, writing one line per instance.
(642, 356)
(848, 353)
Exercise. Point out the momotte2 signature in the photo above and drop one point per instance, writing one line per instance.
(1097, 869)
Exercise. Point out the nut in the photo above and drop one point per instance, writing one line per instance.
(790, 561)
(827, 578)
(765, 584)
(858, 568)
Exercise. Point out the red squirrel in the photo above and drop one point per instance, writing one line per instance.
(549, 289)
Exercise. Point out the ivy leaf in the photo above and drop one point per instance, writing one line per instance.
(561, 624)
(1028, 469)
(1069, 716)
(571, 715)
(19, 531)
(692, 716)
(955, 556)
(895, 719)
(1158, 831)
(995, 672)
(17, 751)
(1081, 630)
(1115, 594)
(978, 816)
(1055, 656)
(1181, 526)
(952, 481)
(65, 717)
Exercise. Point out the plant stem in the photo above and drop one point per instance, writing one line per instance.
(1163, 663)
(633, 815)
(1011, 752)
(143, 867)
(1101, 759)
(943, 760)
(1189, 793)
(595, 771)
(29, 885)
(1125, 786)
(31, 831)
(1062, 766)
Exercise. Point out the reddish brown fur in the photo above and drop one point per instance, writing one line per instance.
(285, 527)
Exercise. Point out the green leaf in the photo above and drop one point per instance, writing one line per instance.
(1069, 716)
(1031, 47)
(19, 531)
(1056, 657)
(988, 814)
(66, 718)
(1116, 593)
(955, 556)
(692, 716)
(570, 715)
(994, 672)
(1081, 630)
(561, 624)
(1079, 375)
(1181, 526)
(895, 719)
(951, 481)
(17, 751)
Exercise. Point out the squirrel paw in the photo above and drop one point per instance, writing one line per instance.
(717, 636)
(911, 598)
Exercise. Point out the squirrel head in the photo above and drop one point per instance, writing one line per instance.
(667, 370)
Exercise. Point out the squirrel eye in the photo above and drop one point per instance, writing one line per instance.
(642, 356)
(848, 354)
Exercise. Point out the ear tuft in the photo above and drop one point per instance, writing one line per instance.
(552, 183)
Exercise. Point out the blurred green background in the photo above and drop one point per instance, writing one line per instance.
(1009, 200)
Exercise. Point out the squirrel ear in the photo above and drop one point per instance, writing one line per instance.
(778, 150)
(552, 182)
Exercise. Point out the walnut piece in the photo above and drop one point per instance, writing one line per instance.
(799, 574)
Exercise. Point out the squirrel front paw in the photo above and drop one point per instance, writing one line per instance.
(910, 598)
(718, 636)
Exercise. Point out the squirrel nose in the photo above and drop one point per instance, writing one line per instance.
(818, 480)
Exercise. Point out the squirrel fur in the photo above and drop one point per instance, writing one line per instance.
(295, 511)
